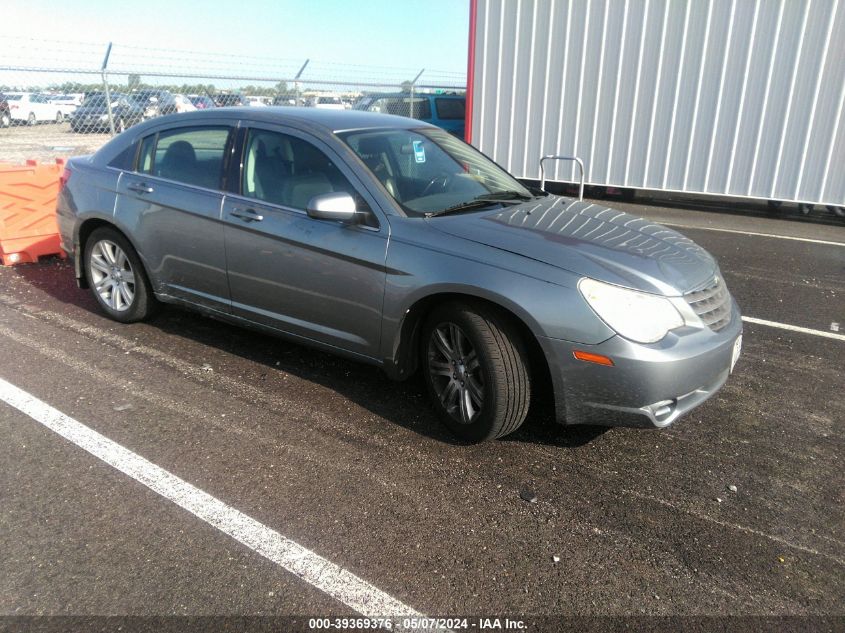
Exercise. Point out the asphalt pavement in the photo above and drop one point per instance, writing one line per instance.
(736, 510)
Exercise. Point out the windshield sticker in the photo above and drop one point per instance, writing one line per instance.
(419, 151)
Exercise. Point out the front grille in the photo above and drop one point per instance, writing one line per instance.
(712, 304)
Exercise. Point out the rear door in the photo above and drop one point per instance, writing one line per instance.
(319, 279)
(171, 204)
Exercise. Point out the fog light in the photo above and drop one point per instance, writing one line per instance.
(15, 258)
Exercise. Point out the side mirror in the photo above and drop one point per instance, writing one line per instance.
(332, 206)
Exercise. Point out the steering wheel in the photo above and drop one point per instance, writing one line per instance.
(444, 179)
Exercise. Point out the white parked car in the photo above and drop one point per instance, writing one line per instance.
(183, 104)
(328, 103)
(66, 104)
(254, 101)
(32, 108)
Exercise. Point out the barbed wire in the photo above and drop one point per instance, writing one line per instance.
(66, 56)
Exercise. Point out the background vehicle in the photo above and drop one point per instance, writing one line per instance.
(32, 108)
(283, 100)
(66, 104)
(484, 285)
(326, 103)
(183, 103)
(154, 102)
(259, 102)
(202, 102)
(5, 114)
(447, 111)
(228, 100)
(93, 116)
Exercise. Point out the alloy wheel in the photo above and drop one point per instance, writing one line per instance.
(456, 372)
(112, 275)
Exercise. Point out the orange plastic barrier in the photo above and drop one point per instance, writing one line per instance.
(28, 228)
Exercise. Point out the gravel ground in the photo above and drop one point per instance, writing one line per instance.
(45, 142)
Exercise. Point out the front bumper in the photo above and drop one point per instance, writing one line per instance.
(649, 385)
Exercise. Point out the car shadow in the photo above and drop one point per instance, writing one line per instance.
(403, 403)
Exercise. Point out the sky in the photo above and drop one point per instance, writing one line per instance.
(406, 34)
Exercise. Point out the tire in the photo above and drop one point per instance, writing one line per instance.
(120, 126)
(104, 265)
(5, 120)
(480, 385)
(31, 120)
(60, 118)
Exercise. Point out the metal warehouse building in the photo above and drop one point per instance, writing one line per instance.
(724, 97)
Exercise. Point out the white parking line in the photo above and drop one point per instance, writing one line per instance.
(795, 328)
(779, 237)
(340, 584)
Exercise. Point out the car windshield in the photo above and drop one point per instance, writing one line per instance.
(429, 171)
(13, 97)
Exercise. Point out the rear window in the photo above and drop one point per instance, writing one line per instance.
(193, 156)
(450, 108)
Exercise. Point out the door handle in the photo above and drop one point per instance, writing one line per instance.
(140, 188)
(247, 215)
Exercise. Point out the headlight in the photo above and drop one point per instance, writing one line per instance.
(638, 316)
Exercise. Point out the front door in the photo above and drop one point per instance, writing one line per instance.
(318, 279)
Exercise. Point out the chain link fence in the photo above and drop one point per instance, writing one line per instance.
(61, 98)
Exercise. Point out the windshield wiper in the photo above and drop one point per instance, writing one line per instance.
(483, 200)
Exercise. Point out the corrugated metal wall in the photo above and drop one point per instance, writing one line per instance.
(732, 97)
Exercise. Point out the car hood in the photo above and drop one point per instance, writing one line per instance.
(589, 240)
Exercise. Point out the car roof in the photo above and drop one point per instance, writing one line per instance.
(327, 120)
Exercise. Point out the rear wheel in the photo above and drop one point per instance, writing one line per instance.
(476, 371)
(116, 277)
(60, 117)
(31, 120)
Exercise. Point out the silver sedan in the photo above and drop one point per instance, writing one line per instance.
(392, 242)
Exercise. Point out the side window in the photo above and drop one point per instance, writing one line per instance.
(288, 171)
(450, 108)
(145, 156)
(126, 158)
(193, 156)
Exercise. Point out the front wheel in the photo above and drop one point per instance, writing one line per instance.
(60, 117)
(116, 277)
(476, 371)
(5, 120)
(31, 120)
